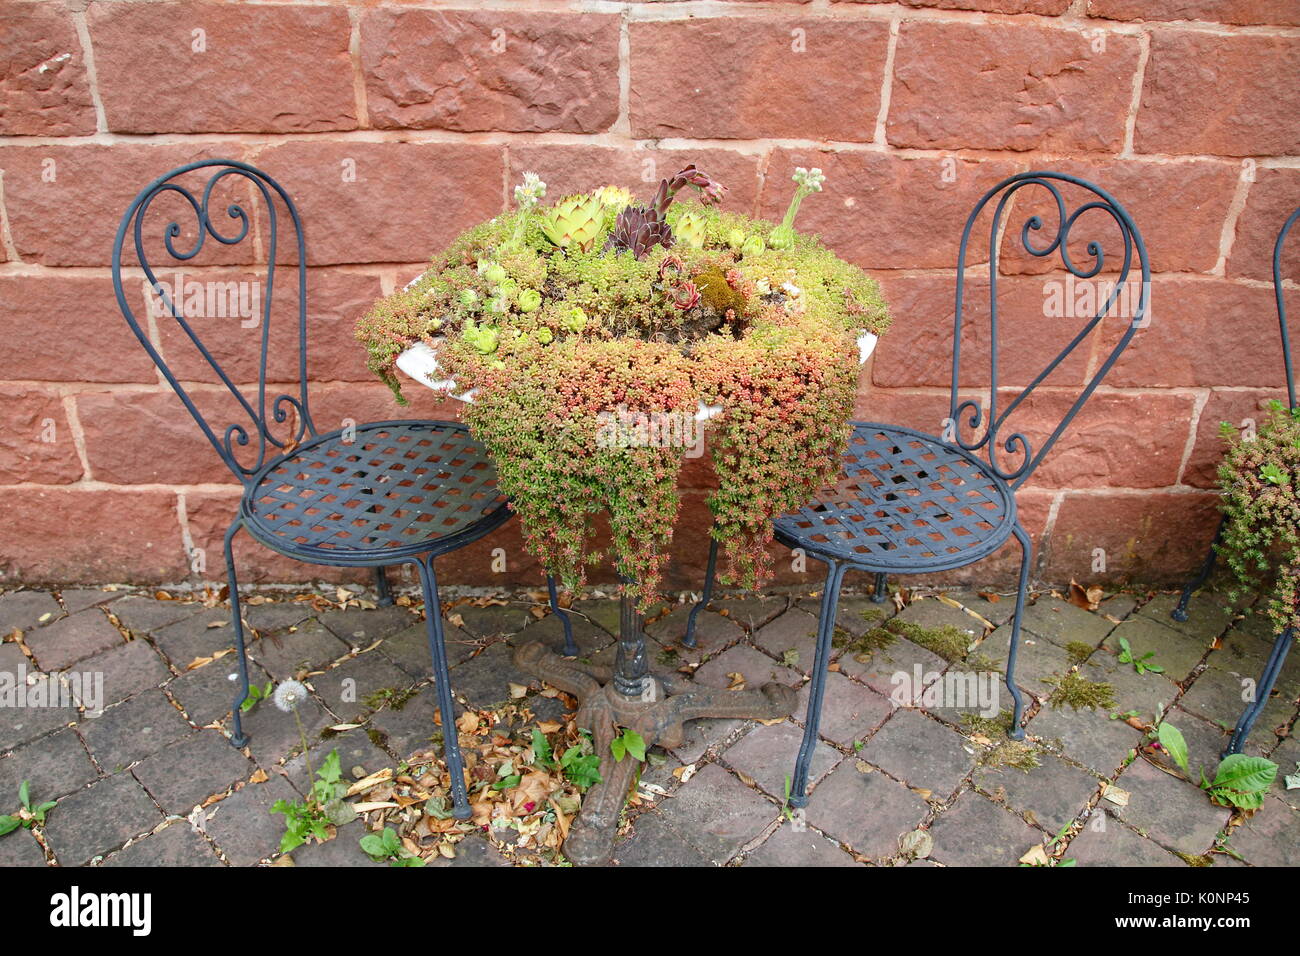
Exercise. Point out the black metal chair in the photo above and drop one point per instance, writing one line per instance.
(1277, 657)
(373, 495)
(910, 503)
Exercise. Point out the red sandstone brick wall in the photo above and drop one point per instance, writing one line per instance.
(1185, 109)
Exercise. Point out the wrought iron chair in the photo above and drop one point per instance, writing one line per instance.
(375, 495)
(1277, 657)
(908, 502)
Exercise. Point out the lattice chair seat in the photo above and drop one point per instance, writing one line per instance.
(905, 500)
(394, 489)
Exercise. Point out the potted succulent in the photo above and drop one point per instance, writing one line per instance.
(560, 321)
(1261, 503)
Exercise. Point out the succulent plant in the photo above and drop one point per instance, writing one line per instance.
(483, 338)
(613, 197)
(529, 300)
(753, 246)
(575, 320)
(574, 221)
(690, 229)
(639, 228)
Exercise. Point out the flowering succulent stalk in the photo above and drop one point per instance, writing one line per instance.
(808, 181)
(527, 196)
(638, 229)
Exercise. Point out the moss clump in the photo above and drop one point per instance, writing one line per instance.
(973, 724)
(1078, 692)
(876, 639)
(1078, 651)
(391, 696)
(950, 643)
(1012, 753)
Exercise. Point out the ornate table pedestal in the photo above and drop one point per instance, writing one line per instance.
(628, 695)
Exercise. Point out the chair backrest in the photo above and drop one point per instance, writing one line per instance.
(988, 430)
(257, 205)
(1281, 305)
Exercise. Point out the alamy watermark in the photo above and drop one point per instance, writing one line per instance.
(953, 689)
(206, 299)
(622, 428)
(1075, 298)
(21, 690)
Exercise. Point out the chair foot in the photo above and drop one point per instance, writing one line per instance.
(442, 684)
(1273, 667)
(881, 590)
(382, 589)
(238, 737)
(688, 640)
(239, 742)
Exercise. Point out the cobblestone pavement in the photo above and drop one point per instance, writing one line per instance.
(126, 781)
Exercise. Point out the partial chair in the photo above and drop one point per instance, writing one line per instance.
(1276, 657)
(908, 502)
(368, 495)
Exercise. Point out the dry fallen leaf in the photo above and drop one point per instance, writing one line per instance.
(1115, 795)
(737, 681)
(684, 773)
(1087, 598)
(1036, 856)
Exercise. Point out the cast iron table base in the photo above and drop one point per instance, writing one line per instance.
(655, 705)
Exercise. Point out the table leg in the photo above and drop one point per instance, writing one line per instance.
(629, 695)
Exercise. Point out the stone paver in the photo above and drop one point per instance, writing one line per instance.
(850, 711)
(206, 693)
(175, 845)
(1088, 736)
(99, 819)
(359, 685)
(27, 609)
(116, 774)
(54, 766)
(194, 636)
(654, 843)
(921, 752)
(133, 729)
(753, 665)
(868, 811)
(183, 774)
(63, 643)
(243, 826)
(804, 847)
(311, 647)
(127, 670)
(978, 832)
(791, 637)
(767, 755)
(361, 628)
(142, 615)
(1173, 812)
(1107, 842)
(78, 599)
(20, 849)
(1052, 794)
(717, 814)
(1271, 837)
(409, 649)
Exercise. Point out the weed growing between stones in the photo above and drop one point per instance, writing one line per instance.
(1076, 691)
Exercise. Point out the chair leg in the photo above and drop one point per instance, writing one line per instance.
(1276, 658)
(881, 589)
(1179, 613)
(816, 693)
(709, 573)
(1026, 557)
(446, 706)
(381, 587)
(239, 739)
(570, 645)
